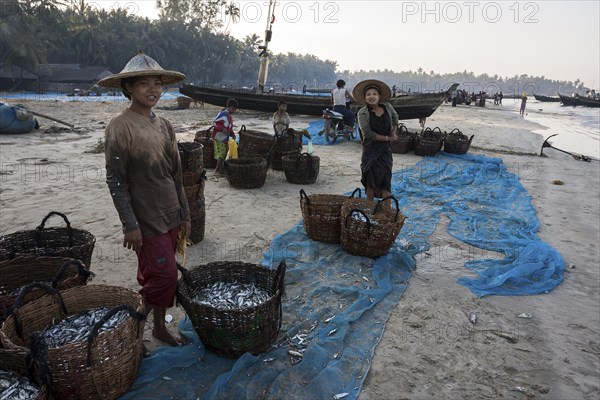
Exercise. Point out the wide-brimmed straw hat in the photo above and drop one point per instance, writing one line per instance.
(385, 93)
(142, 65)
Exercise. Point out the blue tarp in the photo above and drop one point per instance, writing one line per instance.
(487, 207)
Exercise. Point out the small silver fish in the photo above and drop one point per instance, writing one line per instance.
(473, 318)
(340, 396)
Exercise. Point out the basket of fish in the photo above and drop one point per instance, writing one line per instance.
(429, 142)
(56, 242)
(370, 228)
(456, 142)
(14, 386)
(321, 213)
(405, 142)
(91, 337)
(60, 272)
(235, 307)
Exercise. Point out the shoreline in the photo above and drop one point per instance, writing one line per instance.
(429, 348)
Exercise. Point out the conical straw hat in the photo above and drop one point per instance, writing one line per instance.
(142, 65)
(359, 90)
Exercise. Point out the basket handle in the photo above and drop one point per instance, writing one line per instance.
(279, 277)
(81, 271)
(138, 316)
(303, 193)
(436, 129)
(21, 298)
(471, 138)
(387, 198)
(41, 227)
(360, 212)
(354, 192)
(242, 129)
(455, 131)
(402, 128)
(38, 355)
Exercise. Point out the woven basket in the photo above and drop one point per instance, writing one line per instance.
(183, 102)
(61, 273)
(302, 169)
(246, 173)
(321, 214)
(429, 142)
(232, 333)
(405, 142)
(374, 232)
(192, 178)
(56, 242)
(286, 144)
(191, 156)
(255, 143)
(19, 362)
(208, 149)
(457, 143)
(102, 367)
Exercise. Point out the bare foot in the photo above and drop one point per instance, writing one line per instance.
(168, 338)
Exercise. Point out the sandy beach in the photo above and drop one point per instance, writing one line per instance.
(429, 349)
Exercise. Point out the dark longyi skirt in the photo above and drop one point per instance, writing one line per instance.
(376, 166)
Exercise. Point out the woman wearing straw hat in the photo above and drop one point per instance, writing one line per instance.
(378, 122)
(143, 172)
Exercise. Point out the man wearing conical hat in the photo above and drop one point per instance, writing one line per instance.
(144, 176)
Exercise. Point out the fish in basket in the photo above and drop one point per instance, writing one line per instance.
(321, 214)
(246, 173)
(85, 361)
(60, 272)
(235, 307)
(56, 242)
(370, 228)
(405, 142)
(429, 142)
(15, 386)
(255, 143)
(301, 169)
(456, 142)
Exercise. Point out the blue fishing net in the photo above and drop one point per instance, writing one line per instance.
(340, 303)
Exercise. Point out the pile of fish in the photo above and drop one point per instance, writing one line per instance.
(15, 387)
(78, 327)
(231, 295)
(360, 217)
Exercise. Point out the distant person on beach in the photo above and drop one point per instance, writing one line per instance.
(394, 91)
(523, 103)
(500, 96)
(281, 119)
(143, 172)
(222, 131)
(378, 122)
(339, 96)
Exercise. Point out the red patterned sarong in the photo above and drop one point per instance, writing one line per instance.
(157, 269)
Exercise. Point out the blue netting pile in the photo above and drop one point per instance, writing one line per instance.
(487, 207)
(315, 126)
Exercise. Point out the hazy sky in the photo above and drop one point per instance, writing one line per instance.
(555, 39)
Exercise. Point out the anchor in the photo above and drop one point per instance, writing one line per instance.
(575, 156)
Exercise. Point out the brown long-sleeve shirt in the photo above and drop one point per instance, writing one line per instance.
(143, 172)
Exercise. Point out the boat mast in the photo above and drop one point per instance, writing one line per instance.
(264, 55)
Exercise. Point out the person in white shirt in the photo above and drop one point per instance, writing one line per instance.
(339, 96)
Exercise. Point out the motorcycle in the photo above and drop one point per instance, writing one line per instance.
(334, 127)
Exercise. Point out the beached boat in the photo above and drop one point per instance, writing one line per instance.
(410, 106)
(14, 119)
(589, 101)
(547, 99)
(569, 101)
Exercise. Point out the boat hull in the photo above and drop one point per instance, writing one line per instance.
(408, 107)
(15, 121)
(589, 102)
(569, 101)
(547, 99)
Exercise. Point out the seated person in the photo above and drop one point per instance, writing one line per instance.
(281, 119)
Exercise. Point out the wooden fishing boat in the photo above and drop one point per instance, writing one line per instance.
(14, 119)
(410, 106)
(547, 99)
(569, 101)
(589, 101)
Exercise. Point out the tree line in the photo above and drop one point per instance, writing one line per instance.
(190, 36)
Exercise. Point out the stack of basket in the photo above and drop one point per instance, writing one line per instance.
(429, 142)
(456, 142)
(288, 143)
(100, 365)
(194, 176)
(208, 150)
